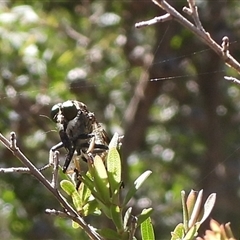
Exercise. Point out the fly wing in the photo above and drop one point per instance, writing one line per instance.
(100, 141)
(101, 136)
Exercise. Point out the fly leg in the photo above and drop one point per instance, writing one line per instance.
(51, 156)
(70, 146)
(65, 143)
(68, 159)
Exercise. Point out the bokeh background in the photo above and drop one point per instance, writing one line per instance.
(185, 127)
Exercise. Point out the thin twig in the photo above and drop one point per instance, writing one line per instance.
(56, 213)
(198, 30)
(225, 47)
(15, 170)
(133, 225)
(72, 214)
(164, 18)
(193, 12)
(232, 79)
(55, 170)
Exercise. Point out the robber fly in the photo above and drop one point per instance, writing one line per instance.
(79, 131)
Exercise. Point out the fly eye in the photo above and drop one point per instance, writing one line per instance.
(69, 110)
(54, 112)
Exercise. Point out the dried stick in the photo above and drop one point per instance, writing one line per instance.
(55, 170)
(195, 28)
(56, 213)
(15, 169)
(164, 18)
(30, 168)
(232, 79)
(193, 12)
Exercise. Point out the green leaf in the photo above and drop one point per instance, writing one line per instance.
(109, 234)
(114, 169)
(84, 193)
(116, 216)
(100, 168)
(92, 207)
(75, 225)
(126, 218)
(185, 211)
(100, 176)
(105, 208)
(178, 232)
(192, 232)
(70, 189)
(147, 230)
(114, 141)
(136, 185)
(145, 214)
(85, 178)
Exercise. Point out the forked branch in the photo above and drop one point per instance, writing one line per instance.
(68, 211)
(195, 28)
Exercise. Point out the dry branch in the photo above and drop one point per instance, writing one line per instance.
(196, 28)
(51, 186)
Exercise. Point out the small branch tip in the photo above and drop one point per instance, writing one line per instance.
(232, 79)
(13, 141)
(187, 10)
(225, 47)
(225, 43)
(163, 18)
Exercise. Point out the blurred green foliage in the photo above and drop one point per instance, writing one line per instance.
(52, 51)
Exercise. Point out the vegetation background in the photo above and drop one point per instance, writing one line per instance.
(184, 127)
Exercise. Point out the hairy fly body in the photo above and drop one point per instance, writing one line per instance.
(79, 131)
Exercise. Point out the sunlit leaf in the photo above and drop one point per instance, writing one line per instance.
(178, 232)
(147, 231)
(192, 232)
(126, 217)
(114, 169)
(70, 189)
(75, 225)
(92, 207)
(137, 184)
(145, 214)
(116, 216)
(114, 141)
(208, 206)
(84, 193)
(101, 183)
